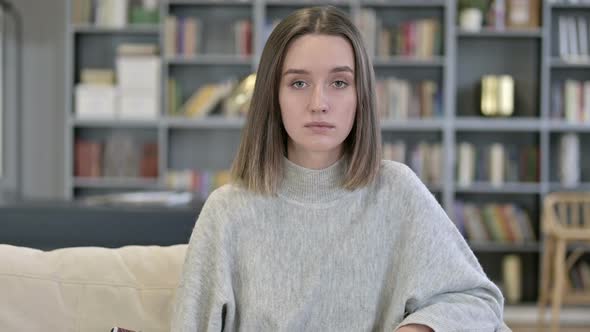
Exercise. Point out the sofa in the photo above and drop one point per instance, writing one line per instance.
(68, 267)
(90, 289)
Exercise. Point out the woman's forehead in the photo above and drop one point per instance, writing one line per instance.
(317, 52)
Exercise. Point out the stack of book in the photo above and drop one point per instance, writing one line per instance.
(138, 73)
(96, 94)
(424, 158)
(499, 223)
(399, 99)
(135, 95)
(496, 164)
(417, 38)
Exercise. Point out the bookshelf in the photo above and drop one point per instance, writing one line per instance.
(531, 56)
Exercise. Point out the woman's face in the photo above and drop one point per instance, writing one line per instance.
(317, 94)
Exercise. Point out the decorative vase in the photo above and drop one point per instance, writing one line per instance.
(471, 19)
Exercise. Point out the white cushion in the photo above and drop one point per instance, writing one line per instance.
(88, 288)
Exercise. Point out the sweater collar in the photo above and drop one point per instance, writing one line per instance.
(306, 185)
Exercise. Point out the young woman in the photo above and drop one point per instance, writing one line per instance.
(316, 233)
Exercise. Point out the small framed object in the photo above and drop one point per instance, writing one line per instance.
(523, 14)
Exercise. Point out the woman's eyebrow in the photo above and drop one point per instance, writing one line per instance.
(342, 69)
(305, 72)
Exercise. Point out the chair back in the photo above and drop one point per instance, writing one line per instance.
(566, 211)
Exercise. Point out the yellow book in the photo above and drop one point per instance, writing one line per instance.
(202, 102)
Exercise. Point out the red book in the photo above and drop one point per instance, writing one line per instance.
(87, 159)
(149, 161)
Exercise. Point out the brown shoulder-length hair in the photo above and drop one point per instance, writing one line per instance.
(258, 165)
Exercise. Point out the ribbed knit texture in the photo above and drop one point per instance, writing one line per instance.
(317, 257)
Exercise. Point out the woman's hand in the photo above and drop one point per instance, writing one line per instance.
(414, 328)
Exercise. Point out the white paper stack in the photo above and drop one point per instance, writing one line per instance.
(139, 86)
(96, 101)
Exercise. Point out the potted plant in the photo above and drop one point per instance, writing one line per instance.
(471, 14)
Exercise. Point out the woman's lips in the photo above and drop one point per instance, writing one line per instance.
(319, 127)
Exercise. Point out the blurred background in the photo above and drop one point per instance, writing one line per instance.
(119, 117)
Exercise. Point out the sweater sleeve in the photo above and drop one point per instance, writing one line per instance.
(203, 300)
(447, 290)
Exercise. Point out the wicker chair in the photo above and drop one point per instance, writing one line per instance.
(566, 225)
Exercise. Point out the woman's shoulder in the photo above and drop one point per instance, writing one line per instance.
(395, 171)
(227, 194)
(400, 177)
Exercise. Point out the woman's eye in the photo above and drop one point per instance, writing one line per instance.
(298, 84)
(340, 84)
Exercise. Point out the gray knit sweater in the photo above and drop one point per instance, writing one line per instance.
(317, 257)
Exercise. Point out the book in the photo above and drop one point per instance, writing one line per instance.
(121, 157)
(497, 161)
(523, 13)
(489, 95)
(474, 225)
(96, 76)
(563, 37)
(512, 278)
(149, 161)
(137, 49)
(95, 101)
(572, 35)
(192, 28)
(569, 160)
(206, 98)
(238, 101)
(170, 31)
(87, 158)
(572, 100)
(583, 38)
(81, 11)
(557, 100)
(466, 164)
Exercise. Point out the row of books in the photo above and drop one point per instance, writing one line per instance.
(498, 223)
(416, 38)
(573, 38)
(229, 98)
(570, 100)
(579, 276)
(115, 13)
(424, 158)
(185, 37)
(119, 155)
(402, 99)
(496, 164)
(132, 90)
(513, 14)
(200, 182)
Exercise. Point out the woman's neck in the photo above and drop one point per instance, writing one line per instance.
(311, 159)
